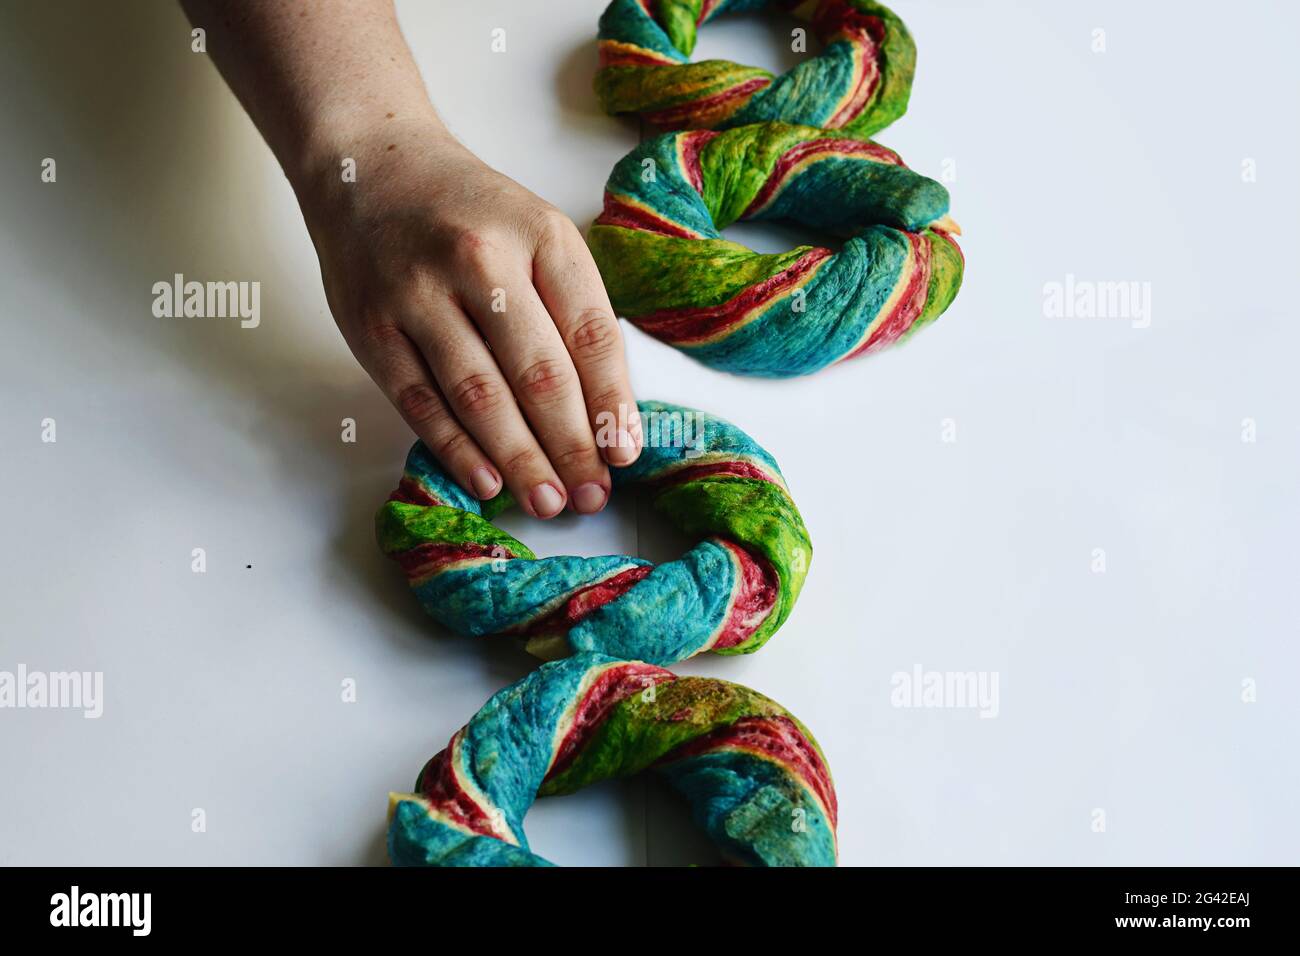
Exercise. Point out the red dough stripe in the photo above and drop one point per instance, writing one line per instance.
(438, 784)
(836, 18)
(614, 685)
(910, 304)
(868, 80)
(688, 325)
(425, 559)
(690, 145)
(718, 469)
(753, 600)
(619, 213)
(778, 739)
(586, 600)
(706, 10)
(807, 150)
(411, 492)
(674, 117)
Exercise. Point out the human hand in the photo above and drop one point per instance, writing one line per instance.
(477, 309)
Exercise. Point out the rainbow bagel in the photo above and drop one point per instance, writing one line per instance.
(859, 83)
(667, 268)
(756, 780)
(728, 594)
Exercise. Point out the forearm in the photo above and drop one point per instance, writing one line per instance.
(315, 76)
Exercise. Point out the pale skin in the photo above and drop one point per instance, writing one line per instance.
(473, 304)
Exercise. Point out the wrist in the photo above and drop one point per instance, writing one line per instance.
(350, 150)
(333, 136)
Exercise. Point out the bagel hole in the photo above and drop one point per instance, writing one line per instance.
(672, 838)
(638, 821)
(769, 238)
(764, 39)
(657, 539)
(628, 525)
(611, 531)
(607, 820)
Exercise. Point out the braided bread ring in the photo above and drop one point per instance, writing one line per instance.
(728, 594)
(757, 782)
(668, 269)
(860, 82)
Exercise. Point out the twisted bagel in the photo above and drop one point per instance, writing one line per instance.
(667, 268)
(728, 594)
(859, 83)
(757, 782)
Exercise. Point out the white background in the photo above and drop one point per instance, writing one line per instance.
(1119, 691)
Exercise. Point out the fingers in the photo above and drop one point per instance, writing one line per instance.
(532, 356)
(571, 289)
(545, 402)
(392, 361)
(479, 397)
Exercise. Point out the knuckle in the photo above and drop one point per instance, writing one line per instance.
(451, 445)
(574, 457)
(595, 335)
(613, 400)
(419, 404)
(415, 284)
(378, 336)
(476, 395)
(551, 224)
(425, 309)
(544, 379)
(470, 248)
(524, 462)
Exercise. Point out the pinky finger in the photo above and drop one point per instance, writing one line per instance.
(395, 364)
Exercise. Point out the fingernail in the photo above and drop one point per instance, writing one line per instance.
(546, 501)
(589, 498)
(485, 483)
(624, 449)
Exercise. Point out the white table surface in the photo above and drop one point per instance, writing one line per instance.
(1119, 691)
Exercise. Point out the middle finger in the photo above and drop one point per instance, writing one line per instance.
(531, 354)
